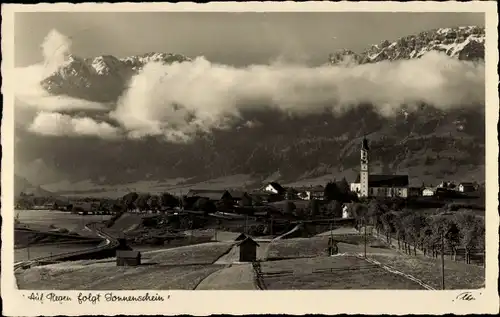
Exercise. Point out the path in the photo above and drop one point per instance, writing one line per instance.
(233, 277)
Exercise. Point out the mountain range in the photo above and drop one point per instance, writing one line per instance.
(427, 142)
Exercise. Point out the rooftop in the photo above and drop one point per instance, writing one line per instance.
(386, 180)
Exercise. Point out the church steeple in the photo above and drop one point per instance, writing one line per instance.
(364, 144)
(364, 171)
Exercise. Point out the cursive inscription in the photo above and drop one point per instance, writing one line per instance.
(49, 297)
(94, 298)
(465, 296)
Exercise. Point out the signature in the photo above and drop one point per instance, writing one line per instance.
(466, 296)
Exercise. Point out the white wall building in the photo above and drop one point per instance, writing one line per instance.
(428, 192)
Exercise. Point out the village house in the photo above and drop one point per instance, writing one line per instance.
(210, 194)
(345, 212)
(414, 191)
(428, 191)
(466, 187)
(311, 192)
(371, 185)
(241, 197)
(274, 188)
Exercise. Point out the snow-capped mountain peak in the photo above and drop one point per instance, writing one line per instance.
(101, 78)
(464, 42)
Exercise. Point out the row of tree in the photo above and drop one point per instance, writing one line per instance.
(428, 233)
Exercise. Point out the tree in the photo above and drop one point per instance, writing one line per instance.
(333, 209)
(289, 207)
(314, 208)
(445, 227)
(414, 224)
(471, 233)
(246, 201)
(387, 220)
(142, 202)
(400, 230)
(374, 211)
(129, 200)
(169, 201)
(332, 192)
(291, 194)
(154, 202)
(204, 204)
(343, 187)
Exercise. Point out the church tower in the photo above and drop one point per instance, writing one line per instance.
(364, 171)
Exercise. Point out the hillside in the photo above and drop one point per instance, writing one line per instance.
(21, 185)
(428, 142)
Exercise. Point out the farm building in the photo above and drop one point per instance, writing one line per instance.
(466, 187)
(414, 191)
(210, 194)
(345, 211)
(308, 193)
(428, 191)
(243, 198)
(128, 258)
(248, 250)
(274, 188)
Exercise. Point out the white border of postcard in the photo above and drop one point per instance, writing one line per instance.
(277, 302)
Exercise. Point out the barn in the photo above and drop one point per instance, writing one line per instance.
(248, 250)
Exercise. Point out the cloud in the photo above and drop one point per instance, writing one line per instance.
(28, 90)
(181, 100)
(57, 124)
(56, 49)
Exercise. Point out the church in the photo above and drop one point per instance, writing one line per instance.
(373, 185)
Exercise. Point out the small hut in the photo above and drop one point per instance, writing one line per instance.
(248, 250)
(128, 258)
(241, 237)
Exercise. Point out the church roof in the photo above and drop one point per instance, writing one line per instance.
(364, 144)
(386, 180)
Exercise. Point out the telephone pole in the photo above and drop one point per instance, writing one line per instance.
(331, 238)
(365, 237)
(442, 259)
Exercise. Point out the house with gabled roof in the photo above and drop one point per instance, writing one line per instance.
(274, 188)
(466, 187)
(210, 194)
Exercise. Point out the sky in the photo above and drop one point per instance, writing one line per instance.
(236, 39)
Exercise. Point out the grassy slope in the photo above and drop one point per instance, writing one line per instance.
(341, 272)
(179, 268)
(457, 275)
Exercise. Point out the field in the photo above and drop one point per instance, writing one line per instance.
(457, 275)
(299, 263)
(43, 219)
(179, 268)
(205, 253)
(316, 246)
(337, 272)
(38, 251)
(105, 274)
